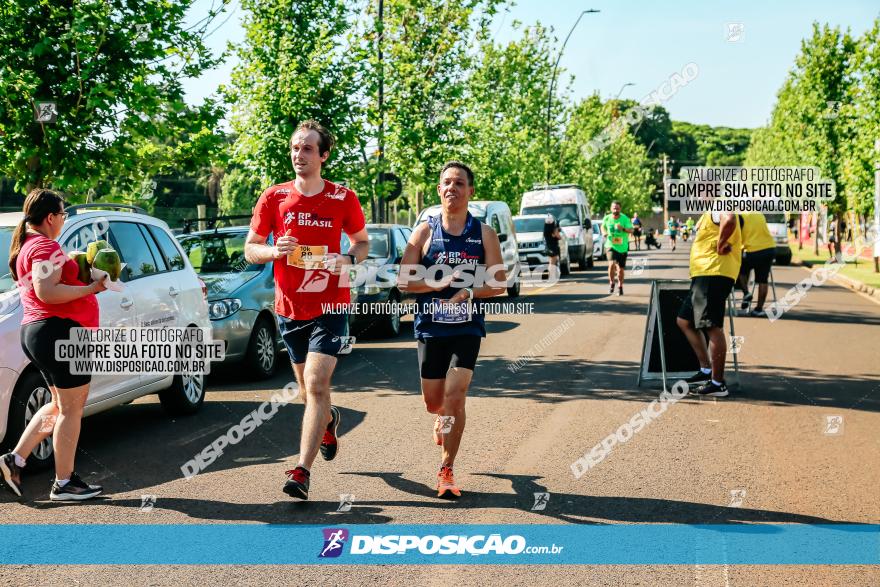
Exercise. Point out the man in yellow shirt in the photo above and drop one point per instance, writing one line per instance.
(759, 250)
(714, 265)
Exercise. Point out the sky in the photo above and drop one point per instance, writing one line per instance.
(742, 49)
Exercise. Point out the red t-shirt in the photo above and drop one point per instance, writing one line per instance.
(40, 248)
(315, 221)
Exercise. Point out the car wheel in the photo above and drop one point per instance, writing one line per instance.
(388, 325)
(260, 357)
(566, 267)
(586, 261)
(513, 291)
(786, 260)
(31, 393)
(185, 396)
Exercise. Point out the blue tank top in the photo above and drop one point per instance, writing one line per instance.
(464, 252)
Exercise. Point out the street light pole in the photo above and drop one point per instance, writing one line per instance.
(553, 82)
(623, 87)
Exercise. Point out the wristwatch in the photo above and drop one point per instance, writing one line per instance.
(470, 292)
(352, 257)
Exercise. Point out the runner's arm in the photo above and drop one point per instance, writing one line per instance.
(360, 248)
(726, 228)
(257, 251)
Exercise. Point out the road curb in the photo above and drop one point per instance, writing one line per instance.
(845, 281)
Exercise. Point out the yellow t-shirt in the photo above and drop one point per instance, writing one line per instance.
(705, 260)
(755, 234)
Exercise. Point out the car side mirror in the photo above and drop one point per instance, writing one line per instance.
(502, 238)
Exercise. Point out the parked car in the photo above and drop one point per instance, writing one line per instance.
(598, 240)
(387, 244)
(533, 247)
(241, 297)
(498, 216)
(568, 203)
(160, 287)
(779, 229)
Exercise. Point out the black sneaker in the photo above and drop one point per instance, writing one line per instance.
(712, 390)
(11, 473)
(612, 288)
(297, 484)
(74, 490)
(620, 291)
(330, 442)
(700, 377)
(746, 301)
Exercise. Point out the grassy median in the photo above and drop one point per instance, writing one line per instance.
(863, 271)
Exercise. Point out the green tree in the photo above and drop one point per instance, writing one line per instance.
(618, 171)
(427, 46)
(293, 66)
(111, 69)
(506, 116)
(861, 113)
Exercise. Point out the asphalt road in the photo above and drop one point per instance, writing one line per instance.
(767, 443)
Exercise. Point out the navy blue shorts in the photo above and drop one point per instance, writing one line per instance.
(326, 334)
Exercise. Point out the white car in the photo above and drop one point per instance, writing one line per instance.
(160, 287)
(598, 241)
(532, 246)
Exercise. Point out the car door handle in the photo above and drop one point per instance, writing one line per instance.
(126, 303)
(173, 291)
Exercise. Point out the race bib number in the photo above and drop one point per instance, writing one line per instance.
(446, 312)
(307, 256)
(617, 240)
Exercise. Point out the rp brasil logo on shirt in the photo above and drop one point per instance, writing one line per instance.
(334, 541)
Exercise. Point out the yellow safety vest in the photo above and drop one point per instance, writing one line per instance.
(755, 234)
(705, 260)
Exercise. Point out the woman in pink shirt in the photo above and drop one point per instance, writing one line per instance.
(54, 301)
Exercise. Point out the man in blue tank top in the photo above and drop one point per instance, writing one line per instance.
(451, 262)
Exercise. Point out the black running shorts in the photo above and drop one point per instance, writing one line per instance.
(326, 334)
(38, 343)
(439, 354)
(704, 306)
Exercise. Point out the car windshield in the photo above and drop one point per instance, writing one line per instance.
(566, 214)
(378, 243)
(6, 282)
(528, 224)
(219, 252)
(775, 218)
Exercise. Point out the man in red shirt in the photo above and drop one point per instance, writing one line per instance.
(306, 217)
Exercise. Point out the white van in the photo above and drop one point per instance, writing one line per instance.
(498, 216)
(568, 203)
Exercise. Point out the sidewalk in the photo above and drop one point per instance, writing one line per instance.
(861, 277)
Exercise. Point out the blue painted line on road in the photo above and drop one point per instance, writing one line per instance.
(616, 544)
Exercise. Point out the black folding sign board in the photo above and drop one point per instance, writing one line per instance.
(666, 352)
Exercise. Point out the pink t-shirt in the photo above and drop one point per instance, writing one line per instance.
(40, 248)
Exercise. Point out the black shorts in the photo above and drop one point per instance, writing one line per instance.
(759, 262)
(704, 306)
(637, 232)
(326, 334)
(439, 354)
(552, 247)
(38, 343)
(617, 257)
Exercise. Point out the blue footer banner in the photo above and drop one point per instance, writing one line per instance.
(618, 544)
